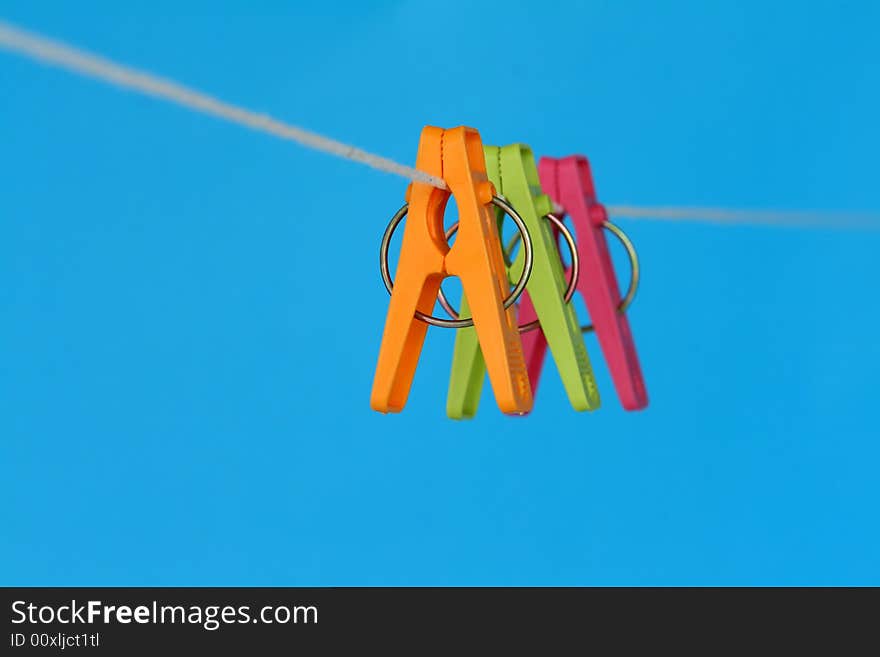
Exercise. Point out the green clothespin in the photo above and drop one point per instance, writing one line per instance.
(513, 172)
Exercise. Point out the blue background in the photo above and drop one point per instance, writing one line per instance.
(183, 400)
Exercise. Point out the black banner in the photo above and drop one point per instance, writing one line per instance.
(170, 621)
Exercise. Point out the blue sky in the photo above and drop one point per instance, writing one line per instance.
(184, 401)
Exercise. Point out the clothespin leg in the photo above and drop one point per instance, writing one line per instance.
(559, 323)
(402, 343)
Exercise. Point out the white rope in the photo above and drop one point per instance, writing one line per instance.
(78, 61)
(828, 219)
(49, 51)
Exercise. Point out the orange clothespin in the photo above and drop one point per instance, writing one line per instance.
(456, 157)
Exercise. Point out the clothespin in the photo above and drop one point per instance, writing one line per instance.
(456, 156)
(512, 170)
(569, 183)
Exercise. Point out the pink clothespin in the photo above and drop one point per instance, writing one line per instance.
(569, 182)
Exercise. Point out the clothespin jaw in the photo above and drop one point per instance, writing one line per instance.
(456, 156)
(569, 182)
(512, 169)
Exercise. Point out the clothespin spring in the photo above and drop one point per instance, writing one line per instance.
(519, 288)
(635, 270)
